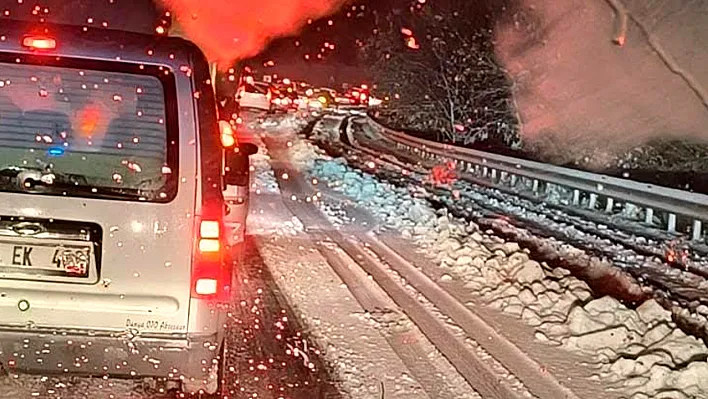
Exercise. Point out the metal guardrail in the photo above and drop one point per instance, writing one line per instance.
(676, 205)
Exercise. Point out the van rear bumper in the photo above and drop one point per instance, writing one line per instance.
(57, 353)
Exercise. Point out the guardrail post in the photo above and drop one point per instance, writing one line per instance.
(494, 174)
(649, 216)
(610, 205)
(576, 197)
(484, 171)
(671, 226)
(593, 201)
(696, 231)
(535, 186)
(514, 178)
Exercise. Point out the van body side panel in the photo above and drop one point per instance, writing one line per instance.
(207, 317)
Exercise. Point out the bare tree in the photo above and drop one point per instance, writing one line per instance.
(438, 66)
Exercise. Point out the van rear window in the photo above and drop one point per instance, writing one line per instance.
(256, 89)
(84, 132)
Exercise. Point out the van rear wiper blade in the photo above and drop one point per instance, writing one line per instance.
(74, 189)
(37, 180)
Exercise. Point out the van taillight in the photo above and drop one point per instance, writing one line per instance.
(211, 275)
(39, 43)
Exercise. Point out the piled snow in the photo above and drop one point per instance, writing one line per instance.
(303, 155)
(275, 124)
(327, 128)
(641, 352)
(264, 189)
(291, 123)
(263, 180)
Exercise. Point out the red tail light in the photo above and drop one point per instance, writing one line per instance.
(39, 43)
(211, 274)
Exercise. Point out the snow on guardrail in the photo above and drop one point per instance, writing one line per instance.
(667, 207)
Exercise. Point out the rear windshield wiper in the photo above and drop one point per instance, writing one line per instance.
(37, 180)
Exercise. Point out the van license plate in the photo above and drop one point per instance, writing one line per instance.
(70, 261)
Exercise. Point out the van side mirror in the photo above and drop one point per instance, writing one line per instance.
(248, 149)
(237, 164)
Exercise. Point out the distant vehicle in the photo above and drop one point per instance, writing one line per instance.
(119, 263)
(321, 98)
(255, 95)
(358, 95)
(375, 102)
(343, 99)
(284, 103)
(331, 91)
(285, 96)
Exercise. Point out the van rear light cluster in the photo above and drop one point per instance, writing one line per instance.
(228, 137)
(39, 42)
(211, 274)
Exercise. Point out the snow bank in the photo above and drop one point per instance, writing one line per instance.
(327, 128)
(291, 123)
(641, 352)
(264, 189)
(276, 124)
(263, 179)
(303, 154)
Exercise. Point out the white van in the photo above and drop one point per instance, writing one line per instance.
(255, 95)
(113, 260)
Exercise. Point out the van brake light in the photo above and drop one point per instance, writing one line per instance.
(39, 43)
(209, 245)
(206, 286)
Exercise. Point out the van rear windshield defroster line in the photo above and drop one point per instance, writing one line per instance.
(87, 128)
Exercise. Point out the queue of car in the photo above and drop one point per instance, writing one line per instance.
(288, 96)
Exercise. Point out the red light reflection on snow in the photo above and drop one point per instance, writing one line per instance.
(676, 255)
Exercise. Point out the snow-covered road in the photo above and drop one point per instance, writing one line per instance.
(588, 343)
(470, 349)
